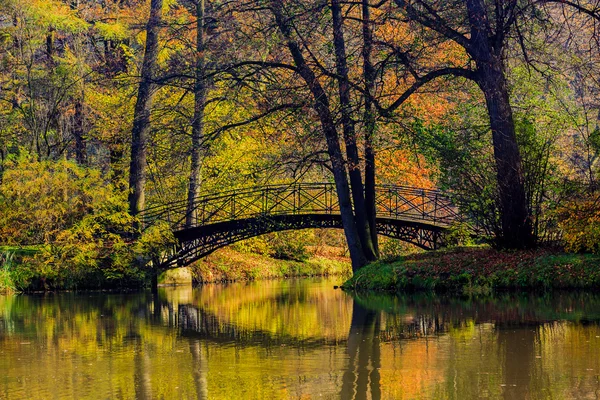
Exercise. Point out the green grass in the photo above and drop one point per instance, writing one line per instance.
(7, 283)
(480, 270)
(11, 271)
(20, 251)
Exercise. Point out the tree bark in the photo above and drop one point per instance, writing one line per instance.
(141, 116)
(356, 183)
(486, 49)
(323, 110)
(50, 43)
(515, 218)
(197, 151)
(491, 78)
(79, 134)
(369, 123)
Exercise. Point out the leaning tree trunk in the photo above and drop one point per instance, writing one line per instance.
(369, 124)
(141, 115)
(197, 151)
(323, 110)
(356, 183)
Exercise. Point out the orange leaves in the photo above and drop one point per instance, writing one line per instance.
(400, 167)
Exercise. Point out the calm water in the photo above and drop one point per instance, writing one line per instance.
(297, 339)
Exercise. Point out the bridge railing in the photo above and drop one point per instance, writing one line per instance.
(394, 202)
(415, 203)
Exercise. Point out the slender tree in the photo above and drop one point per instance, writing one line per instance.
(141, 116)
(369, 75)
(322, 107)
(197, 150)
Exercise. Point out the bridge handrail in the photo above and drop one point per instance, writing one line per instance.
(256, 188)
(178, 209)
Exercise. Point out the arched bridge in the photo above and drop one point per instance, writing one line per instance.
(414, 215)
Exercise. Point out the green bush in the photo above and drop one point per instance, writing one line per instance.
(7, 283)
(80, 222)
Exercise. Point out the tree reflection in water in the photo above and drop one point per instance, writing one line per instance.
(361, 379)
(300, 339)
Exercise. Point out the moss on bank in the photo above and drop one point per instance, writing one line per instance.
(231, 265)
(480, 270)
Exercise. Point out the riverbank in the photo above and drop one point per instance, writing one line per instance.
(479, 271)
(18, 273)
(227, 265)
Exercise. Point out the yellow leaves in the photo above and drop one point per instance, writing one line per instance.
(579, 222)
(55, 15)
(112, 31)
(39, 199)
(155, 240)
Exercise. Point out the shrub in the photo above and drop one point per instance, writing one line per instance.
(81, 222)
(7, 284)
(579, 221)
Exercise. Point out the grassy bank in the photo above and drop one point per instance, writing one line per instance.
(10, 257)
(230, 265)
(18, 273)
(480, 270)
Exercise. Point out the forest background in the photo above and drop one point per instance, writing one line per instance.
(111, 106)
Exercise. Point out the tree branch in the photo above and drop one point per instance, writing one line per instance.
(459, 72)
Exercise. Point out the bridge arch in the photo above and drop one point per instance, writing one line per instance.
(414, 215)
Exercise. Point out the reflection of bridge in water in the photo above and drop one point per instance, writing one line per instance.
(408, 321)
(414, 215)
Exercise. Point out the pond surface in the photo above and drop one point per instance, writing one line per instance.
(298, 339)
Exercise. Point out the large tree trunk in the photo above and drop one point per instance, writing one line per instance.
(141, 116)
(197, 151)
(515, 218)
(358, 195)
(491, 77)
(322, 107)
(369, 124)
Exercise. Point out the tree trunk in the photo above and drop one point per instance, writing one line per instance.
(491, 77)
(197, 151)
(141, 116)
(358, 194)
(369, 123)
(515, 218)
(322, 107)
(116, 165)
(79, 135)
(50, 43)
